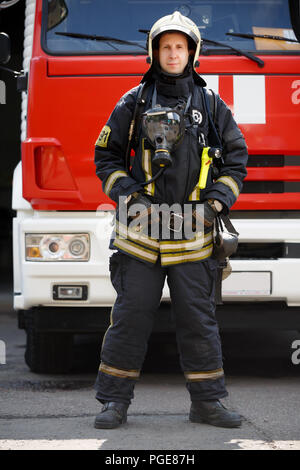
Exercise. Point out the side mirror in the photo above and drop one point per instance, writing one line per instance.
(4, 48)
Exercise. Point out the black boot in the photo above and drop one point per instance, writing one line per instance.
(213, 412)
(111, 416)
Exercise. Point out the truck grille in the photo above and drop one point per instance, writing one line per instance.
(272, 183)
(267, 251)
(270, 187)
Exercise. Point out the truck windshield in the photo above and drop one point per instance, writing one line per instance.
(123, 19)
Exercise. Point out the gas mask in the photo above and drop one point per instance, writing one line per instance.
(164, 129)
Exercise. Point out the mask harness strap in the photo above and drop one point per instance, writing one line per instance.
(154, 97)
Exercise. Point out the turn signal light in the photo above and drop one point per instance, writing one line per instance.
(33, 252)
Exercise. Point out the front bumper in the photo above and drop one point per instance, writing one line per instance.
(253, 280)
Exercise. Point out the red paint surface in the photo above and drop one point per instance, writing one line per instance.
(71, 98)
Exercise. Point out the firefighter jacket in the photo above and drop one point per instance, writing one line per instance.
(179, 183)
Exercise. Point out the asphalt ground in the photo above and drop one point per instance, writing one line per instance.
(56, 412)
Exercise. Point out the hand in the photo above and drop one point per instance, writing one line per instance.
(141, 212)
(204, 214)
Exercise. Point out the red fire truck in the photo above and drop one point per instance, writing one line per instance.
(80, 56)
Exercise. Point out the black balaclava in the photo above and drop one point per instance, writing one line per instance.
(173, 84)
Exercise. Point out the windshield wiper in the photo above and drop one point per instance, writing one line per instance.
(262, 36)
(259, 62)
(101, 38)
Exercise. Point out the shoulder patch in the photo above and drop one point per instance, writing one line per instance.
(103, 137)
(197, 116)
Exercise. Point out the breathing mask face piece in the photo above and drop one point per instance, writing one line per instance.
(164, 129)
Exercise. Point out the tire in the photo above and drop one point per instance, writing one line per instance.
(49, 353)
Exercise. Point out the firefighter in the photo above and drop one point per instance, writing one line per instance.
(168, 142)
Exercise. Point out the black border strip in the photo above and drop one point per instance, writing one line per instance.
(272, 161)
(281, 250)
(270, 187)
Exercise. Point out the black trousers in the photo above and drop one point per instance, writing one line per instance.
(139, 288)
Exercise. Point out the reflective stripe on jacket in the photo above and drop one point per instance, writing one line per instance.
(179, 183)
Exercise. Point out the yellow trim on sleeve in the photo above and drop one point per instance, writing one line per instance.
(231, 183)
(113, 177)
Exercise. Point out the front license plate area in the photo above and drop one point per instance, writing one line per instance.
(248, 283)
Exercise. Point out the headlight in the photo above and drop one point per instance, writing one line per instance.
(57, 247)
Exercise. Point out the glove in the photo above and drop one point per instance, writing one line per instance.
(206, 213)
(141, 213)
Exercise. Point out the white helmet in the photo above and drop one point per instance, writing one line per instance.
(175, 22)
